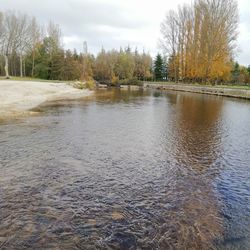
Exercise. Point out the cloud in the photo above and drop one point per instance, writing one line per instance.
(115, 23)
(244, 33)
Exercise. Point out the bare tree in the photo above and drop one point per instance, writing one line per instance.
(55, 35)
(9, 37)
(23, 38)
(169, 30)
(35, 37)
(1, 26)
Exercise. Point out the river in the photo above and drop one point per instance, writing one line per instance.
(128, 170)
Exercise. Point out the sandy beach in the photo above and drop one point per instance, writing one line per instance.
(18, 97)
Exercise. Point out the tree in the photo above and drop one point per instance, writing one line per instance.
(124, 67)
(248, 69)
(165, 68)
(169, 32)
(23, 38)
(42, 64)
(2, 30)
(236, 72)
(200, 40)
(9, 37)
(35, 34)
(87, 62)
(103, 68)
(159, 68)
(53, 47)
(27, 50)
(142, 66)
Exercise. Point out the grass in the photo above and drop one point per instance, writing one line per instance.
(229, 86)
(233, 86)
(18, 78)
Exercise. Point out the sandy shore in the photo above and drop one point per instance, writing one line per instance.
(18, 97)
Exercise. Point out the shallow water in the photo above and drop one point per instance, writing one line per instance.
(128, 170)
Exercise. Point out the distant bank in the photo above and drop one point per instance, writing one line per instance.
(229, 91)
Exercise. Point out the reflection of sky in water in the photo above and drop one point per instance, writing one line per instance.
(126, 169)
(234, 179)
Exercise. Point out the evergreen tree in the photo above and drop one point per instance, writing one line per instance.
(165, 68)
(248, 69)
(236, 72)
(159, 68)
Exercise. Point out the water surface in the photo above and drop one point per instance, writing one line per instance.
(128, 170)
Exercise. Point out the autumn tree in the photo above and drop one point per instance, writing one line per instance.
(29, 49)
(103, 67)
(200, 40)
(87, 64)
(122, 66)
(142, 66)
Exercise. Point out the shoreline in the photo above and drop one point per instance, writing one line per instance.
(18, 98)
(209, 90)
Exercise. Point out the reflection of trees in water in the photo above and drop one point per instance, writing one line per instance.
(116, 95)
(195, 222)
(197, 132)
(192, 219)
(168, 203)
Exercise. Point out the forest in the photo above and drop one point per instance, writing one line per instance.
(198, 45)
(200, 41)
(30, 50)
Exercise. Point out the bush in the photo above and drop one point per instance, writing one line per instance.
(91, 84)
(132, 81)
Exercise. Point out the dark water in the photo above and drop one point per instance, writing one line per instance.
(128, 170)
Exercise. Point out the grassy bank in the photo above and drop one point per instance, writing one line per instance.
(229, 86)
(17, 78)
(219, 90)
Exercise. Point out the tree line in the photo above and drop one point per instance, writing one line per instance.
(239, 74)
(200, 40)
(29, 49)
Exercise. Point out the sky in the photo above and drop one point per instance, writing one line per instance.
(117, 23)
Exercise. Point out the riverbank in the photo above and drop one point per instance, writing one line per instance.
(19, 97)
(229, 91)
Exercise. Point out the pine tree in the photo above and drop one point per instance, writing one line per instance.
(248, 69)
(158, 68)
(236, 72)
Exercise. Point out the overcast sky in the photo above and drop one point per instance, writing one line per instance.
(115, 23)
